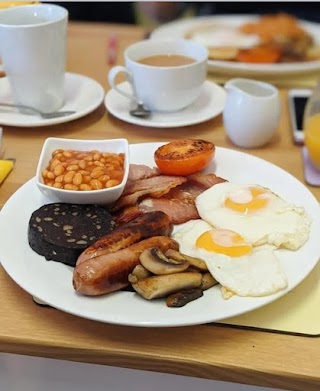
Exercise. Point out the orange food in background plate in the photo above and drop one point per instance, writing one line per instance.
(184, 157)
(259, 55)
(274, 27)
(280, 32)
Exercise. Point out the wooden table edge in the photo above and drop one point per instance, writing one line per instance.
(161, 364)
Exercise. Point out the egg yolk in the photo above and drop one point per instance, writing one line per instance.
(247, 200)
(223, 241)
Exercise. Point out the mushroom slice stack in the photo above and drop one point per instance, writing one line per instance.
(170, 275)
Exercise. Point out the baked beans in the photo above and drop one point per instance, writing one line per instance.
(84, 170)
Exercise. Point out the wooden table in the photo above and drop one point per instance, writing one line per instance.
(207, 351)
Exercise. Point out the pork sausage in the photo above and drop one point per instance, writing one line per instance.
(142, 227)
(109, 272)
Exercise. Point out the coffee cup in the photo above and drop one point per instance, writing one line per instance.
(165, 75)
(33, 52)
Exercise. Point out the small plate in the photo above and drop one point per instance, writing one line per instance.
(209, 104)
(82, 94)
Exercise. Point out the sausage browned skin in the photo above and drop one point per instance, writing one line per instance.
(108, 273)
(147, 225)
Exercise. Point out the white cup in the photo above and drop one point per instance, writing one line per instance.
(33, 52)
(163, 88)
(252, 112)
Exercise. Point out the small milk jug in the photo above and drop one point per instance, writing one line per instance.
(251, 113)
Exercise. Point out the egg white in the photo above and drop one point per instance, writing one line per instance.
(224, 36)
(279, 223)
(256, 274)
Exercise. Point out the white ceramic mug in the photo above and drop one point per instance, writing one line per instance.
(33, 52)
(162, 88)
(252, 112)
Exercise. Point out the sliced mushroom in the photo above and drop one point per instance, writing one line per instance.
(140, 272)
(180, 299)
(196, 262)
(161, 286)
(208, 281)
(193, 269)
(132, 278)
(156, 262)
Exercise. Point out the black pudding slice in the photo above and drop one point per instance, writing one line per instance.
(60, 231)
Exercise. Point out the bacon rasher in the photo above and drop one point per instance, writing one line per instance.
(178, 203)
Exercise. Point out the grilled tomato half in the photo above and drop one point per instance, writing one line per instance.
(184, 157)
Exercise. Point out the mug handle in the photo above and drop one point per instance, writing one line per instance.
(111, 78)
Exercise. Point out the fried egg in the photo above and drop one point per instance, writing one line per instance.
(224, 36)
(256, 213)
(238, 266)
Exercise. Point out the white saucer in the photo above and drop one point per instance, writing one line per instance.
(82, 94)
(209, 104)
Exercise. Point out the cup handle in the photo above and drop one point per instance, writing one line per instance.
(111, 78)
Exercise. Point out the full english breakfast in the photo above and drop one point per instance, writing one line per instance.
(175, 231)
(274, 38)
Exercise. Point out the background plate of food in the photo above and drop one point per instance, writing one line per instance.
(252, 44)
(52, 282)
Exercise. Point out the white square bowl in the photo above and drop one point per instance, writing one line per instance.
(103, 196)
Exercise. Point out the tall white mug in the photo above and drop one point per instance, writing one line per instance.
(33, 52)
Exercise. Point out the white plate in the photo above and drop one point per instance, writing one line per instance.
(51, 282)
(82, 94)
(181, 27)
(209, 104)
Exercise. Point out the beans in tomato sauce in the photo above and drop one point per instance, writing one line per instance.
(84, 170)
